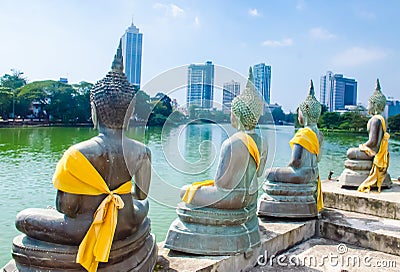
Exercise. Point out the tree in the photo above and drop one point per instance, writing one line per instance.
(278, 115)
(6, 97)
(11, 82)
(142, 106)
(330, 120)
(353, 120)
(83, 100)
(394, 123)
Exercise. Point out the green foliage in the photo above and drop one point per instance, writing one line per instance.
(278, 115)
(394, 123)
(330, 120)
(352, 120)
(10, 85)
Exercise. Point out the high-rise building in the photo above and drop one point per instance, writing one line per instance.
(200, 88)
(262, 80)
(230, 91)
(336, 91)
(392, 107)
(132, 54)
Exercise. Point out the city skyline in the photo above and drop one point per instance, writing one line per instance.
(132, 54)
(337, 91)
(300, 39)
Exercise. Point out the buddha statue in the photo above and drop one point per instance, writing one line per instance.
(218, 217)
(295, 191)
(367, 165)
(100, 222)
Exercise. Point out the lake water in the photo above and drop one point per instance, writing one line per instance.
(181, 155)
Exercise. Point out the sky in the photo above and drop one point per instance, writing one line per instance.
(300, 39)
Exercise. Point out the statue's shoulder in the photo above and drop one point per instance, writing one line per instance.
(136, 147)
(87, 147)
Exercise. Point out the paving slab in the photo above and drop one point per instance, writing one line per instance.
(383, 204)
(320, 254)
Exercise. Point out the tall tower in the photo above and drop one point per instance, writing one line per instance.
(336, 91)
(262, 80)
(200, 87)
(132, 54)
(230, 91)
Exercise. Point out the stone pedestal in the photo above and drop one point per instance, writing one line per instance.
(282, 199)
(135, 253)
(208, 231)
(356, 171)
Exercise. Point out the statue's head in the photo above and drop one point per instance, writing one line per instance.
(111, 96)
(247, 107)
(310, 109)
(377, 101)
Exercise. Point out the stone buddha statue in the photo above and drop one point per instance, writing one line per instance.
(218, 217)
(100, 222)
(367, 164)
(295, 191)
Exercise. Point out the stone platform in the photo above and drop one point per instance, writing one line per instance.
(276, 236)
(364, 224)
(312, 256)
(384, 204)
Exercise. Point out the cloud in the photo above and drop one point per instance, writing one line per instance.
(320, 33)
(196, 21)
(367, 15)
(356, 56)
(254, 12)
(300, 5)
(283, 42)
(170, 9)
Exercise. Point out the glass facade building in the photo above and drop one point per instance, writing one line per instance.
(200, 86)
(336, 91)
(262, 80)
(230, 91)
(132, 54)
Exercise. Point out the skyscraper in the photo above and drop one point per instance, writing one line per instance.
(262, 80)
(336, 91)
(200, 87)
(230, 91)
(132, 54)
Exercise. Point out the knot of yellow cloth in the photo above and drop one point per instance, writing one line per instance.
(76, 175)
(101, 211)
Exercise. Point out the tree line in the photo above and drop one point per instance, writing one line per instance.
(56, 101)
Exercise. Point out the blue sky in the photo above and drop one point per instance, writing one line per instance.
(300, 39)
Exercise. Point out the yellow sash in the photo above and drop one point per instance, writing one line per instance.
(380, 163)
(76, 175)
(251, 147)
(309, 140)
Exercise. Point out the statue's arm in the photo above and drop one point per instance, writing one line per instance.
(374, 129)
(143, 176)
(296, 156)
(263, 159)
(67, 203)
(232, 165)
(321, 142)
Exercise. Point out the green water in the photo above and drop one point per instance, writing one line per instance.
(181, 155)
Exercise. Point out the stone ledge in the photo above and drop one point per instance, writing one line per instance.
(361, 230)
(276, 236)
(384, 204)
